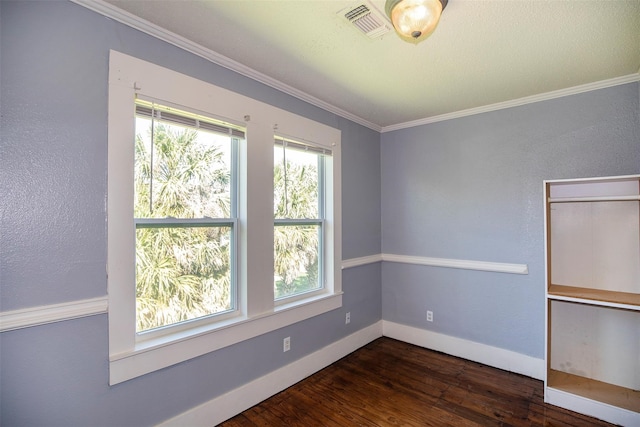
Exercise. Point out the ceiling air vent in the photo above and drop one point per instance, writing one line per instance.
(367, 19)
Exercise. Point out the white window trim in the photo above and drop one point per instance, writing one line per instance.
(258, 314)
(327, 183)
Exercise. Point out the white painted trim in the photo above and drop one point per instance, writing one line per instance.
(631, 78)
(481, 353)
(234, 402)
(117, 14)
(554, 396)
(593, 302)
(356, 262)
(41, 315)
(497, 267)
(594, 199)
(242, 398)
(132, 354)
(593, 408)
(595, 179)
(169, 350)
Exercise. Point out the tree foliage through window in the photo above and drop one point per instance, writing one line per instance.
(182, 272)
(296, 196)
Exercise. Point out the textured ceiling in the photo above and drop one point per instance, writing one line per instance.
(483, 52)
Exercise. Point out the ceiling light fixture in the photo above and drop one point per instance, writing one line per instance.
(414, 20)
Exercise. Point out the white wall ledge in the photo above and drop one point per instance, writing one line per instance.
(365, 260)
(42, 315)
(496, 267)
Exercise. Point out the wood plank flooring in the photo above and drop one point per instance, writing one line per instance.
(391, 383)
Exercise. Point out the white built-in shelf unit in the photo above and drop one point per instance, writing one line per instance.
(593, 297)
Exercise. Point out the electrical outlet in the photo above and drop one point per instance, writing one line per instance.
(429, 316)
(347, 318)
(286, 344)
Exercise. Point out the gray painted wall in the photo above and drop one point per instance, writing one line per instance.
(53, 185)
(471, 189)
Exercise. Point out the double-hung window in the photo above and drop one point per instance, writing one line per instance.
(214, 234)
(185, 172)
(299, 211)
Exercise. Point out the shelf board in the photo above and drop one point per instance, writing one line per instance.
(624, 298)
(594, 199)
(621, 397)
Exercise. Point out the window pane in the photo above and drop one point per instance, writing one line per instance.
(182, 173)
(296, 259)
(295, 182)
(182, 273)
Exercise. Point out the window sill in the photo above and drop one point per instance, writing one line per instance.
(167, 350)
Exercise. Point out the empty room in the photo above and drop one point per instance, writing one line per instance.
(320, 213)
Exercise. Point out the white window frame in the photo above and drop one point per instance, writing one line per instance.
(257, 313)
(230, 222)
(324, 182)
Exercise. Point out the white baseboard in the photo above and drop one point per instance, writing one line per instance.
(234, 402)
(593, 408)
(242, 398)
(481, 353)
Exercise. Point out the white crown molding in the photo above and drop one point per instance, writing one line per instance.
(469, 350)
(244, 397)
(117, 14)
(631, 78)
(35, 316)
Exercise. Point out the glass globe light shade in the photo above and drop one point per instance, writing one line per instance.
(414, 20)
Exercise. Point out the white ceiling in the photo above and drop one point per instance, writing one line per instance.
(484, 52)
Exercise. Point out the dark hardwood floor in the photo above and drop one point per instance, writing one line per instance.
(391, 383)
